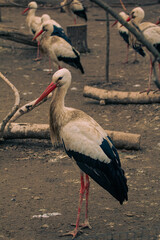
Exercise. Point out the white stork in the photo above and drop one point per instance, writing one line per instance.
(123, 31)
(150, 31)
(57, 30)
(74, 8)
(33, 22)
(87, 143)
(57, 48)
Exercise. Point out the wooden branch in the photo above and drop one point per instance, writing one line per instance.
(122, 4)
(41, 131)
(15, 107)
(120, 97)
(18, 37)
(27, 108)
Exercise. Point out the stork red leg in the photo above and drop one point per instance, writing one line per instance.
(127, 54)
(82, 191)
(38, 58)
(150, 77)
(86, 222)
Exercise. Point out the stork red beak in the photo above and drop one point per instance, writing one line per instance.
(37, 35)
(25, 10)
(49, 89)
(114, 23)
(128, 19)
(158, 22)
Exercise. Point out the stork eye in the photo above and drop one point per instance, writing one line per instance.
(60, 78)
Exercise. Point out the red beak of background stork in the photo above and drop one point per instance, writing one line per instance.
(38, 35)
(128, 19)
(25, 10)
(158, 22)
(114, 23)
(49, 89)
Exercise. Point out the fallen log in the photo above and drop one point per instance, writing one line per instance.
(41, 131)
(18, 37)
(106, 96)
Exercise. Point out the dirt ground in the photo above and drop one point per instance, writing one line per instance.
(36, 179)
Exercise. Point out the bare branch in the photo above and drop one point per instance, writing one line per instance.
(18, 37)
(122, 4)
(15, 107)
(27, 108)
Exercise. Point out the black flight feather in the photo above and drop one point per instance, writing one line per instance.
(110, 176)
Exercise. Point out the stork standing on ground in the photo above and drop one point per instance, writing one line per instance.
(33, 22)
(125, 35)
(74, 8)
(57, 29)
(57, 48)
(87, 143)
(150, 31)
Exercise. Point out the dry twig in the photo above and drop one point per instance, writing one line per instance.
(15, 107)
(27, 108)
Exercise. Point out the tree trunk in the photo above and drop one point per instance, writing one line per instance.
(78, 36)
(41, 131)
(120, 97)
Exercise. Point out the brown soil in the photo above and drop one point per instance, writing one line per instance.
(36, 179)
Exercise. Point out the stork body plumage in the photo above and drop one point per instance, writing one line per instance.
(74, 8)
(150, 31)
(86, 142)
(57, 48)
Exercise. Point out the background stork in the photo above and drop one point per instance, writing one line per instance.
(57, 48)
(150, 31)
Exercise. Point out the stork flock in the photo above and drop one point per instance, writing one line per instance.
(83, 138)
(54, 42)
(151, 32)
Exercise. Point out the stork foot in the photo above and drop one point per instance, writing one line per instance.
(37, 59)
(155, 91)
(125, 62)
(135, 61)
(73, 233)
(148, 90)
(86, 224)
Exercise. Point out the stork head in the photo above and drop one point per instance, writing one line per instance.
(31, 5)
(47, 26)
(137, 14)
(44, 18)
(124, 16)
(60, 79)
